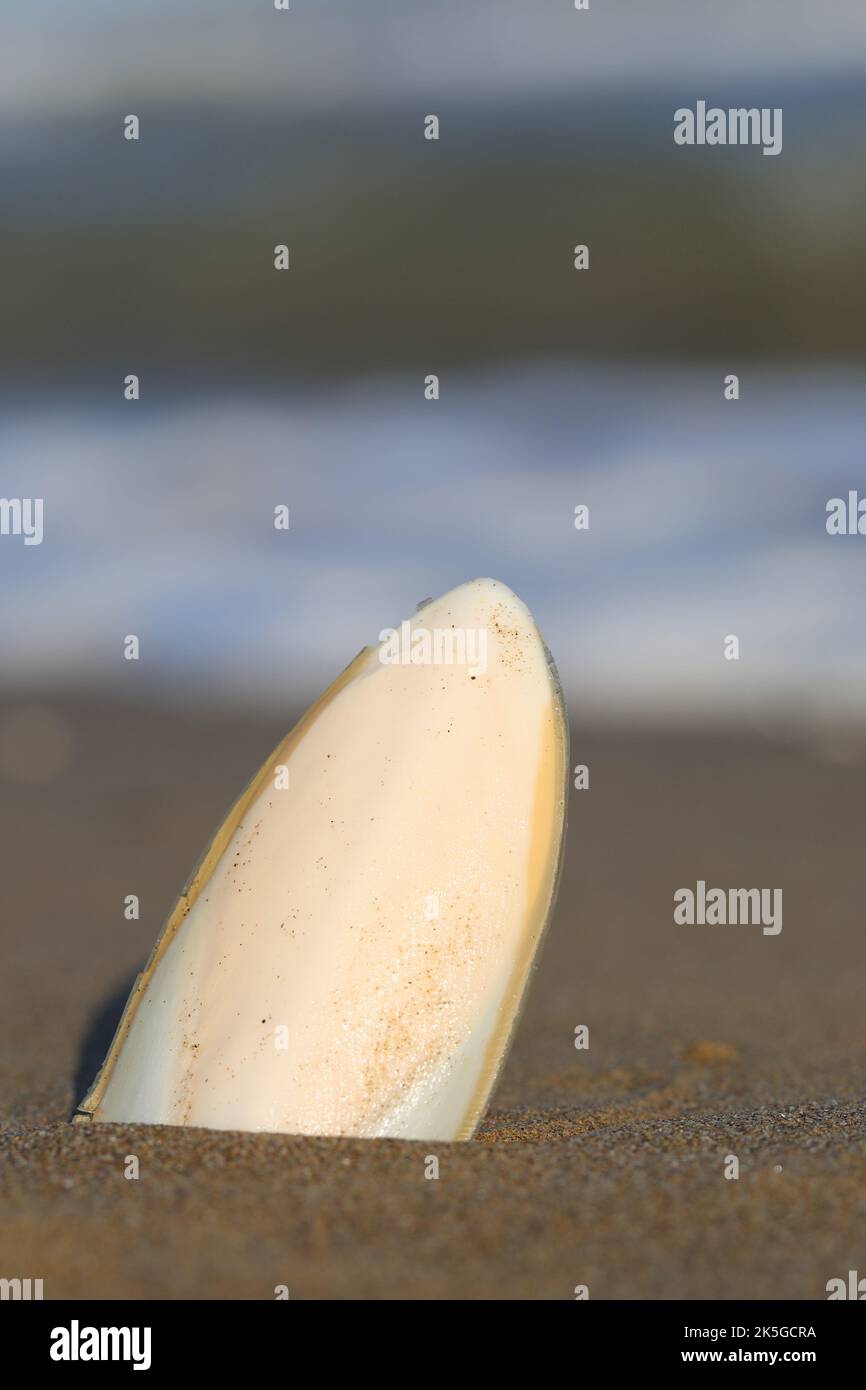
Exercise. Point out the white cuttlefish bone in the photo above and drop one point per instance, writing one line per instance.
(351, 953)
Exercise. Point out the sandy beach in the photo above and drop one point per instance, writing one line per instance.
(602, 1167)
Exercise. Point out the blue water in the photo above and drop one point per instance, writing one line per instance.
(707, 518)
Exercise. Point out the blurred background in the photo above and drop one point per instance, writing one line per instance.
(454, 257)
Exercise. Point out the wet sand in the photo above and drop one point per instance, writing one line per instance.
(603, 1167)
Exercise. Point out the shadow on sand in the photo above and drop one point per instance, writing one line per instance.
(97, 1038)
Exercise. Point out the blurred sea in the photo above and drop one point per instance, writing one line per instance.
(707, 517)
(455, 257)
